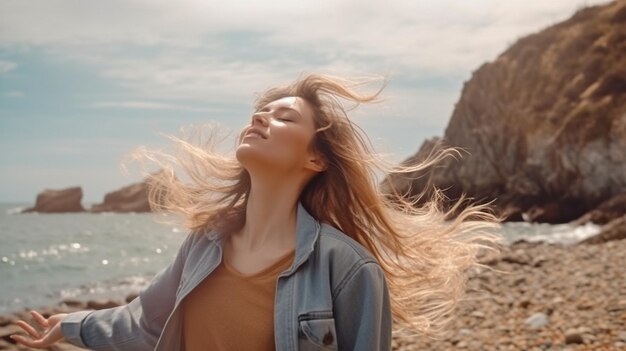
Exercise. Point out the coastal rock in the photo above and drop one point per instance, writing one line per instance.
(102, 304)
(73, 303)
(615, 230)
(543, 126)
(8, 330)
(6, 320)
(607, 211)
(553, 212)
(131, 198)
(130, 297)
(58, 201)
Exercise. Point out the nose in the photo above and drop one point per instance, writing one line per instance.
(260, 118)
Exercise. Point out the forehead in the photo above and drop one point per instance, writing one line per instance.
(289, 101)
(293, 102)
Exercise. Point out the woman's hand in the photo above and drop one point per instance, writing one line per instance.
(49, 331)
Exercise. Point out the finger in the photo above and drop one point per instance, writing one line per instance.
(27, 328)
(40, 319)
(22, 340)
(56, 319)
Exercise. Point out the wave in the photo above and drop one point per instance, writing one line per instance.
(15, 210)
(566, 234)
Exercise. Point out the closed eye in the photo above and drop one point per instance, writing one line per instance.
(281, 111)
(285, 115)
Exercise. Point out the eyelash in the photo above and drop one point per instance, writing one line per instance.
(283, 119)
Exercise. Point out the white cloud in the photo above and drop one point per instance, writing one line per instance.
(6, 66)
(14, 94)
(147, 105)
(71, 147)
(444, 36)
(210, 53)
(187, 77)
(185, 55)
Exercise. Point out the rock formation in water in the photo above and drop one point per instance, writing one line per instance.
(614, 230)
(131, 198)
(544, 125)
(58, 201)
(606, 212)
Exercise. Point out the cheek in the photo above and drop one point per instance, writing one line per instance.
(296, 141)
(294, 144)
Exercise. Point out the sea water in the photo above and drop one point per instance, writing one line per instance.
(45, 258)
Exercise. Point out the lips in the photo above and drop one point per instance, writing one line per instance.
(255, 132)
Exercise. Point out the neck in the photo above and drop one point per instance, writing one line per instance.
(270, 213)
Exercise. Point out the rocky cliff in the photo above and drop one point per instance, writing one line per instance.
(131, 198)
(544, 124)
(58, 201)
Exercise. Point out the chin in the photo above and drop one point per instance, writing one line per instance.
(242, 153)
(249, 156)
(252, 158)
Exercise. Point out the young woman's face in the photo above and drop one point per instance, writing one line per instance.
(279, 136)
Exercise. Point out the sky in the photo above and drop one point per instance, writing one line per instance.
(84, 82)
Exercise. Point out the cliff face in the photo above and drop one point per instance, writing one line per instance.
(545, 123)
(58, 201)
(131, 198)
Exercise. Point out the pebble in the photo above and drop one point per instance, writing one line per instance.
(537, 320)
(478, 314)
(573, 337)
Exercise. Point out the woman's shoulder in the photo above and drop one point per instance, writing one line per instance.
(347, 260)
(338, 244)
(199, 240)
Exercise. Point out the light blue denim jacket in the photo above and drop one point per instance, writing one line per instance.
(333, 297)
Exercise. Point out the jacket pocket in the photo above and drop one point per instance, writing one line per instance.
(317, 332)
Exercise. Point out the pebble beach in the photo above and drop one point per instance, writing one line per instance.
(539, 296)
(532, 296)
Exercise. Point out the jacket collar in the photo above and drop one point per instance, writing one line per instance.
(307, 234)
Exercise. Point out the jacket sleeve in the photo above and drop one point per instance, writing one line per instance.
(362, 310)
(137, 325)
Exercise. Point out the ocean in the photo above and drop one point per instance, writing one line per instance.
(45, 258)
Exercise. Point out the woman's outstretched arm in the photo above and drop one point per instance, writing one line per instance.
(134, 326)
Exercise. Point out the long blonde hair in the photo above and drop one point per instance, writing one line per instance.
(424, 253)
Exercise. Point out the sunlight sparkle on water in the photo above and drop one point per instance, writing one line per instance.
(28, 254)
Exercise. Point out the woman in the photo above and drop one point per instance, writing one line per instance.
(292, 246)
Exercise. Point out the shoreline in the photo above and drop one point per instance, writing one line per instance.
(536, 296)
